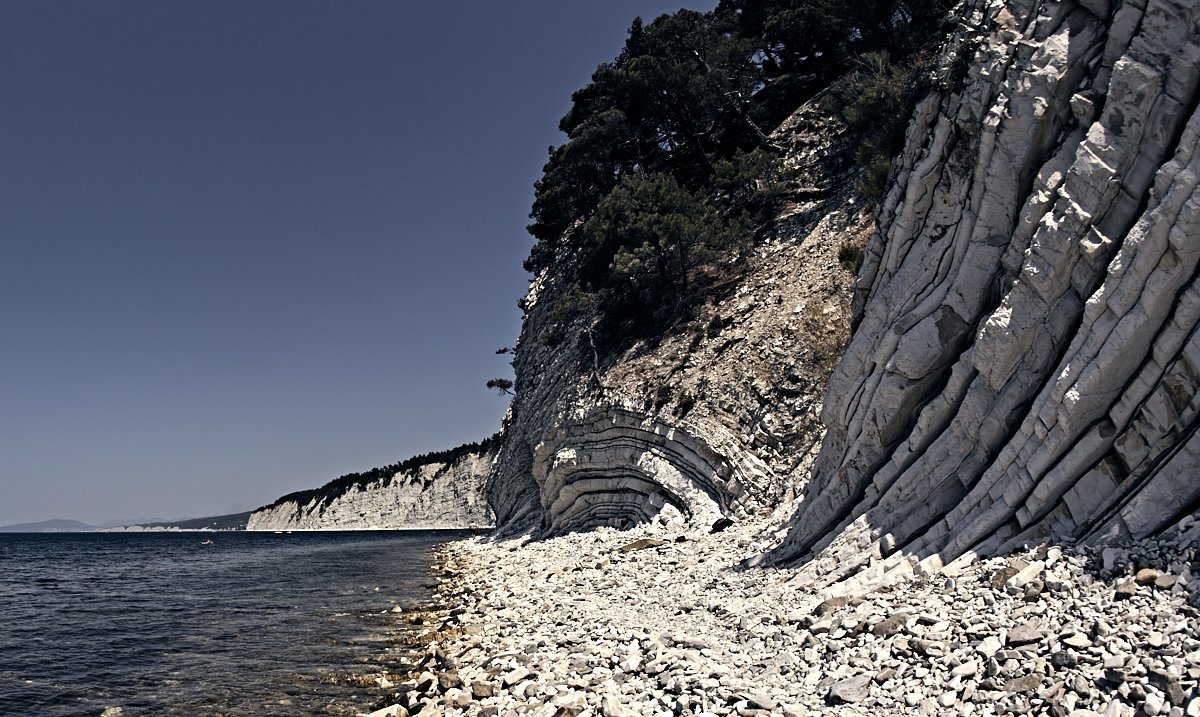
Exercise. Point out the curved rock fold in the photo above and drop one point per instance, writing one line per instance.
(616, 467)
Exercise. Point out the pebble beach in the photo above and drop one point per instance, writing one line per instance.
(661, 620)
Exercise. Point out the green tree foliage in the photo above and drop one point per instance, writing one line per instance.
(657, 235)
(795, 36)
(501, 385)
(875, 100)
(666, 161)
(674, 101)
(824, 36)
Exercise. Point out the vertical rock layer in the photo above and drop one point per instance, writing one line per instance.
(1025, 358)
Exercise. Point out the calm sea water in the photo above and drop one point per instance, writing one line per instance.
(159, 624)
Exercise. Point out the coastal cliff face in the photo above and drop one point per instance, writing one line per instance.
(1025, 359)
(430, 496)
(715, 418)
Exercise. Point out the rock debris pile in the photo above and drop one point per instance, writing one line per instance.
(660, 621)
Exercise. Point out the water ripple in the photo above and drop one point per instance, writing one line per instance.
(258, 624)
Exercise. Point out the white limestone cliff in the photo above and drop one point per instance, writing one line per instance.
(431, 496)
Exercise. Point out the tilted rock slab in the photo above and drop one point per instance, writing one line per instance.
(435, 495)
(1025, 359)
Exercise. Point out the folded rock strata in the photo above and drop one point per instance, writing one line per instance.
(1025, 358)
(717, 416)
(617, 467)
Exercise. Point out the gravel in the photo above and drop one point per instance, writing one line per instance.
(661, 620)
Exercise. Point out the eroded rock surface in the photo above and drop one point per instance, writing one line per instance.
(1025, 359)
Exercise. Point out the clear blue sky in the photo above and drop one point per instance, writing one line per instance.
(249, 246)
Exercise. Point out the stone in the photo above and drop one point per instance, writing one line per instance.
(516, 676)
(481, 690)
(1146, 576)
(1169, 684)
(1125, 590)
(889, 625)
(393, 711)
(1001, 577)
(640, 544)
(1024, 683)
(1024, 634)
(1113, 557)
(1027, 574)
(761, 700)
(929, 648)
(610, 707)
(721, 524)
(425, 682)
(1165, 581)
(1077, 640)
(1116, 675)
(989, 646)
(830, 605)
(449, 680)
(853, 689)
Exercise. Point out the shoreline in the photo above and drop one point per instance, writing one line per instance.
(659, 620)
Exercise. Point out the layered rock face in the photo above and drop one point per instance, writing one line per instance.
(435, 495)
(716, 417)
(1025, 359)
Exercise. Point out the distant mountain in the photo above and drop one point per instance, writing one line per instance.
(58, 525)
(122, 522)
(233, 521)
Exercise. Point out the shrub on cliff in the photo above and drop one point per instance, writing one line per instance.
(875, 100)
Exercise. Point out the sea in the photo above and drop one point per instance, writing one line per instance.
(207, 624)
